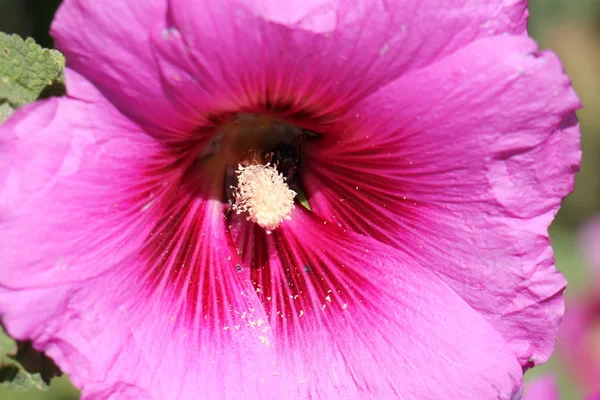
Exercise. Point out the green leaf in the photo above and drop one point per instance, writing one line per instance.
(5, 111)
(8, 346)
(28, 72)
(22, 367)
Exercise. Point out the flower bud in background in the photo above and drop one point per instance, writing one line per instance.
(579, 339)
(541, 388)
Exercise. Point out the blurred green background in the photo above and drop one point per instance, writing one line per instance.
(569, 27)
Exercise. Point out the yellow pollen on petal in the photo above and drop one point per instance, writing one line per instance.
(263, 194)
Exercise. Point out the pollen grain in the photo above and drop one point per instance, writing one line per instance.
(263, 193)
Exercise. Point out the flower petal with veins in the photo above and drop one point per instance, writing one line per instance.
(141, 280)
(355, 319)
(454, 171)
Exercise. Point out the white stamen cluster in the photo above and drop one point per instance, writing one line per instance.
(263, 194)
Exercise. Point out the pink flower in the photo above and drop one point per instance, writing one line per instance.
(589, 238)
(579, 339)
(436, 144)
(542, 388)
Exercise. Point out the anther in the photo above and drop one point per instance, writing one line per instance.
(263, 193)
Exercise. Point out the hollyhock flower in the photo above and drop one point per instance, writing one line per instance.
(542, 388)
(150, 245)
(579, 340)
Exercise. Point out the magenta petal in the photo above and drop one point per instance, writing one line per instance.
(110, 45)
(356, 319)
(463, 165)
(65, 184)
(311, 58)
(115, 339)
(131, 283)
(542, 388)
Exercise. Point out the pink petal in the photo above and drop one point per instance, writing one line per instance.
(311, 60)
(131, 283)
(463, 165)
(542, 388)
(67, 164)
(579, 341)
(110, 45)
(356, 319)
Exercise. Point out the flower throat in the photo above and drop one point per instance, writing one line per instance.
(260, 158)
